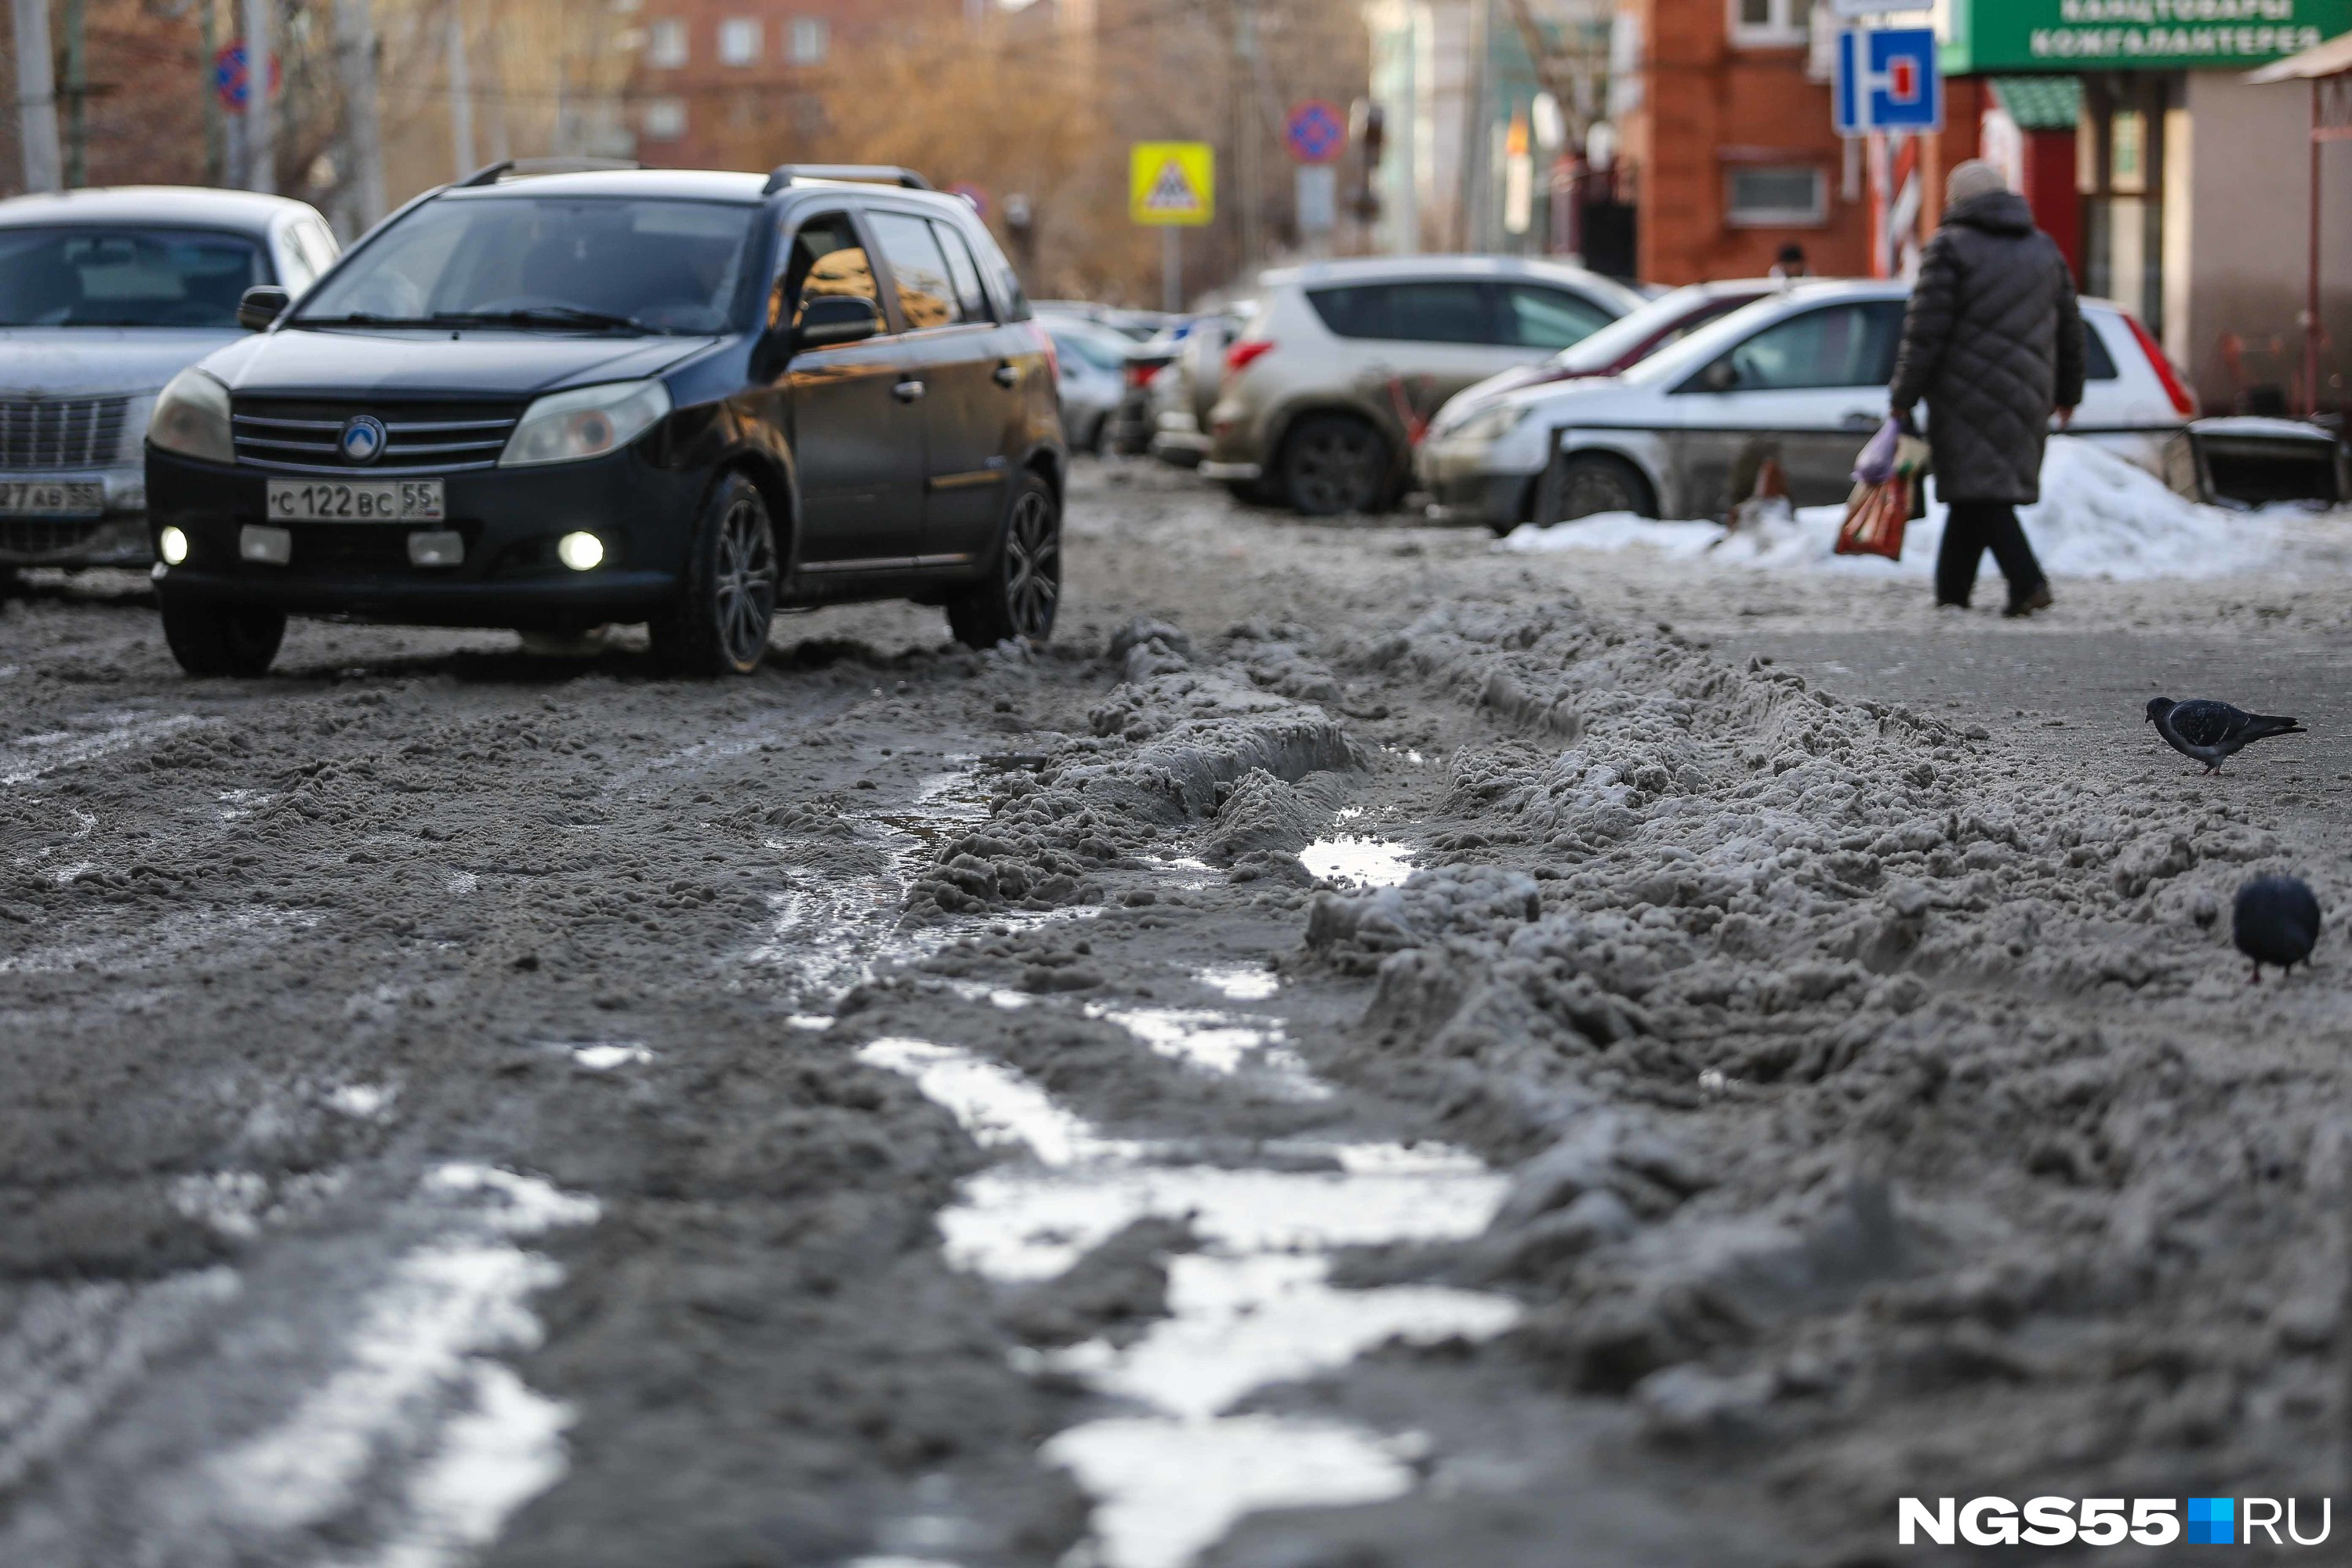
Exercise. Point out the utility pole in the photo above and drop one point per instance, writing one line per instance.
(1249, 133)
(362, 131)
(215, 133)
(77, 96)
(260, 119)
(36, 95)
(461, 94)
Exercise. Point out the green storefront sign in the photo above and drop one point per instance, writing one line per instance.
(2135, 34)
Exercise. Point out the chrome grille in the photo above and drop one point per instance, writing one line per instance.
(419, 437)
(62, 432)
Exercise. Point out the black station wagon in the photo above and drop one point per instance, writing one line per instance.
(556, 400)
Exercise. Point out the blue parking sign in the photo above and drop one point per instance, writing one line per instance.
(1888, 80)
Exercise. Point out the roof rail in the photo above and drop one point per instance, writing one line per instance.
(522, 168)
(883, 173)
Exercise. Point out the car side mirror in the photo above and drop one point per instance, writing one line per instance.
(831, 319)
(260, 305)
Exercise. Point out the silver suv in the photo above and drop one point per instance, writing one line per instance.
(1325, 389)
(104, 296)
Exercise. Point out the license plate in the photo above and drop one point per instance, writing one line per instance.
(20, 497)
(355, 500)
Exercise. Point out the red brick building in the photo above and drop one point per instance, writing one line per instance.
(714, 77)
(1725, 148)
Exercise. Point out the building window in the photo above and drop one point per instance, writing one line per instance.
(1769, 197)
(665, 119)
(665, 43)
(739, 41)
(1772, 21)
(808, 41)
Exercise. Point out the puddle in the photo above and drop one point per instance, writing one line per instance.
(1253, 1306)
(89, 737)
(1368, 862)
(421, 1379)
(608, 1055)
(1240, 982)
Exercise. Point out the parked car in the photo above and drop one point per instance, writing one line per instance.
(1131, 424)
(1093, 377)
(1802, 374)
(1181, 396)
(105, 295)
(1623, 343)
(1135, 326)
(1320, 398)
(668, 396)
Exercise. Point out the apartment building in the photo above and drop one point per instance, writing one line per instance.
(718, 78)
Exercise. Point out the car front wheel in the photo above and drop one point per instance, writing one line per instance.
(210, 638)
(1022, 587)
(717, 623)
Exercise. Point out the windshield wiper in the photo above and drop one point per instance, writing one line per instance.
(362, 319)
(543, 316)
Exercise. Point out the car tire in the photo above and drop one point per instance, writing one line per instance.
(1591, 483)
(1335, 463)
(211, 638)
(1017, 596)
(7, 581)
(1094, 444)
(717, 623)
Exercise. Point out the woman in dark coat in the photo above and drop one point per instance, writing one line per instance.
(1993, 340)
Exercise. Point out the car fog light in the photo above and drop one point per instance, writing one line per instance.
(272, 546)
(580, 552)
(173, 546)
(438, 547)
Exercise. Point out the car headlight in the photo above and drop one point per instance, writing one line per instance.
(566, 427)
(191, 418)
(1491, 424)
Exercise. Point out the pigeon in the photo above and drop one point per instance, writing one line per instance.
(2276, 921)
(2212, 732)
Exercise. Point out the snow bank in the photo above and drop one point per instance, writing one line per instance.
(2099, 515)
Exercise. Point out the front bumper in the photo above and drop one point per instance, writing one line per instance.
(116, 538)
(1463, 488)
(509, 518)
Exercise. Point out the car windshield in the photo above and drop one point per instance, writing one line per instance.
(546, 263)
(1627, 333)
(1103, 351)
(124, 277)
(1702, 347)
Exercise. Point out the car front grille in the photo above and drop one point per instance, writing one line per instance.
(305, 437)
(62, 432)
(45, 536)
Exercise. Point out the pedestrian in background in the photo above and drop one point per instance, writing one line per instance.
(1790, 264)
(1993, 340)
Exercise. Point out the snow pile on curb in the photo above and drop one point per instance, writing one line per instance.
(2099, 515)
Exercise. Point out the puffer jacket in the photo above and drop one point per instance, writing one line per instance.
(1993, 340)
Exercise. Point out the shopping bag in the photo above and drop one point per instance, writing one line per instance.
(1875, 518)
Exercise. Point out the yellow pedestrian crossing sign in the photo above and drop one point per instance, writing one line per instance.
(1172, 183)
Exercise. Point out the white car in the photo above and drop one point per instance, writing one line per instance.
(105, 295)
(1802, 375)
(1093, 360)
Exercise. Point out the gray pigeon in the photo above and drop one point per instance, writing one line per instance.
(2212, 732)
(2276, 921)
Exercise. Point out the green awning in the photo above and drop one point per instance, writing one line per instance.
(2040, 102)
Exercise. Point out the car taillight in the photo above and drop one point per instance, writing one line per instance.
(2184, 402)
(1140, 374)
(1246, 353)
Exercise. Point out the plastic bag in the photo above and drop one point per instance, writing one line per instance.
(1876, 464)
(1893, 452)
(1875, 518)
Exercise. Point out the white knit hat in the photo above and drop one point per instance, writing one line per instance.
(1975, 177)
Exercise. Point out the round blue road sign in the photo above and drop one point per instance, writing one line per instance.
(1317, 132)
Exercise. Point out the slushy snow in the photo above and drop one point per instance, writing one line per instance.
(2099, 515)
